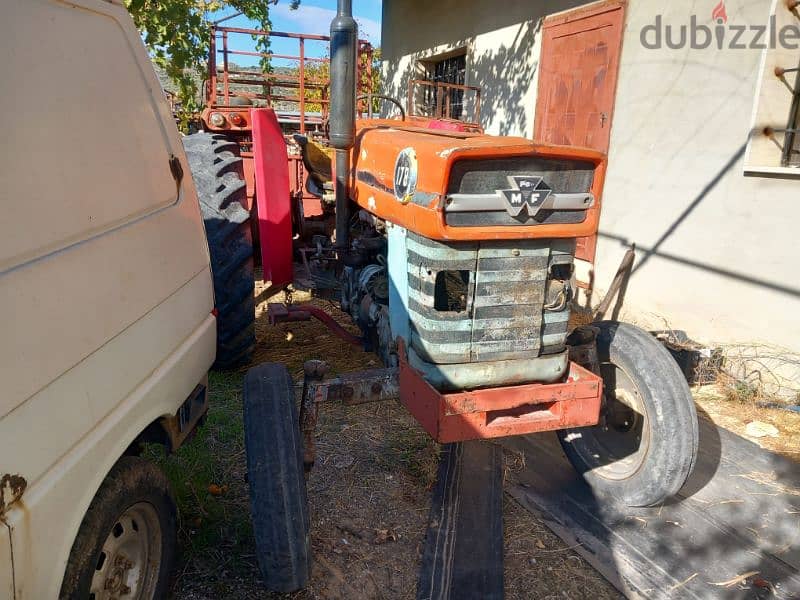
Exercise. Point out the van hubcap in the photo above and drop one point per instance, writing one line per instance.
(129, 561)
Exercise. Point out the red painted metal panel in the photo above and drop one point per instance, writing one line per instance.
(501, 412)
(272, 197)
(578, 82)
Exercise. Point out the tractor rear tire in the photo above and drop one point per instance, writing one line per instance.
(218, 175)
(278, 499)
(645, 446)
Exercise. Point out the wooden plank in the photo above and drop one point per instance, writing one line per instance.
(463, 555)
(738, 513)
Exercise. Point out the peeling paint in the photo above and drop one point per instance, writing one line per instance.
(11, 489)
(446, 152)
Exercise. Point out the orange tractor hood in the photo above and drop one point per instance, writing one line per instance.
(432, 153)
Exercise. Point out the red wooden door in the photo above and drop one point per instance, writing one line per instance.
(578, 81)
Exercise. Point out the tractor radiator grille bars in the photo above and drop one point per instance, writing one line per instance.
(485, 301)
(475, 195)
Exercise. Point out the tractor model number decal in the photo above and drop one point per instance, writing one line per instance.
(528, 192)
(405, 175)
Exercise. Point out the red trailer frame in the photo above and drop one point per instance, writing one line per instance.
(230, 93)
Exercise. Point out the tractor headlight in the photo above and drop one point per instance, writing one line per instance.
(217, 119)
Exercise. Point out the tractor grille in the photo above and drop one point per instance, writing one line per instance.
(483, 178)
(484, 301)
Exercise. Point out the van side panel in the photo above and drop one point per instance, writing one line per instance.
(105, 288)
(6, 562)
(46, 520)
(86, 163)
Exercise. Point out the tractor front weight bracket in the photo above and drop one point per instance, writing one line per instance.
(359, 387)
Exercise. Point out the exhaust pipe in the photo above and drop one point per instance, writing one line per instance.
(344, 39)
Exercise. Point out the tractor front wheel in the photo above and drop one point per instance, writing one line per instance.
(218, 175)
(278, 500)
(645, 446)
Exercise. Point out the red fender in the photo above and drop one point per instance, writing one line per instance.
(272, 196)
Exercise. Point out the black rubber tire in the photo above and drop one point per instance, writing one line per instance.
(219, 179)
(671, 418)
(131, 480)
(278, 500)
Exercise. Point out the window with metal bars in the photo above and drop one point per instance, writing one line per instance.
(773, 147)
(453, 70)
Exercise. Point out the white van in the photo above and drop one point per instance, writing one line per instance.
(106, 304)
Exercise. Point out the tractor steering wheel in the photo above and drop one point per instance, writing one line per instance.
(395, 101)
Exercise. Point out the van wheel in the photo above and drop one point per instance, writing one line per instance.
(645, 445)
(219, 178)
(127, 540)
(278, 501)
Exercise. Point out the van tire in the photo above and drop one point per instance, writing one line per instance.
(278, 499)
(653, 465)
(133, 482)
(218, 175)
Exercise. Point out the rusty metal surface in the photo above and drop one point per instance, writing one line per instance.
(371, 385)
(502, 316)
(12, 486)
(583, 348)
(504, 411)
(457, 377)
(360, 387)
(281, 313)
(180, 426)
(313, 372)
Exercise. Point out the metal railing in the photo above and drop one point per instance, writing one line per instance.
(444, 105)
(282, 88)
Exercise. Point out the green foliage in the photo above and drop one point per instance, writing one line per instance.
(177, 34)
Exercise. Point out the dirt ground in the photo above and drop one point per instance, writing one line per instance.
(369, 497)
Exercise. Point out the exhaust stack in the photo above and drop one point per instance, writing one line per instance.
(344, 40)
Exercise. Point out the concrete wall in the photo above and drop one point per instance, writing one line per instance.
(718, 251)
(502, 43)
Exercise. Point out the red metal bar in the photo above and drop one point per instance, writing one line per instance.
(211, 92)
(226, 86)
(302, 86)
(270, 55)
(308, 36)
(274, 202)
(281, 313)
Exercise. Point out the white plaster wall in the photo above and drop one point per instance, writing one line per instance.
(503, 48)
(719, 251)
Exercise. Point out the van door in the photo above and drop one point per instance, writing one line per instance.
(6, 562)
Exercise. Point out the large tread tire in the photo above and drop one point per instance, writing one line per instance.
(671, 421)
(131, 481)
(278, 500)
(218, 175)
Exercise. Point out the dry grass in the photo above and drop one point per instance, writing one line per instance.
(733, 410)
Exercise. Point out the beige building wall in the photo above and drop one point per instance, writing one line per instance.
(718, 250)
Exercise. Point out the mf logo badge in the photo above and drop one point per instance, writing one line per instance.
(528, 192)
(405, 175)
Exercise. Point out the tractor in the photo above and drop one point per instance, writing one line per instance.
(452, 251)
